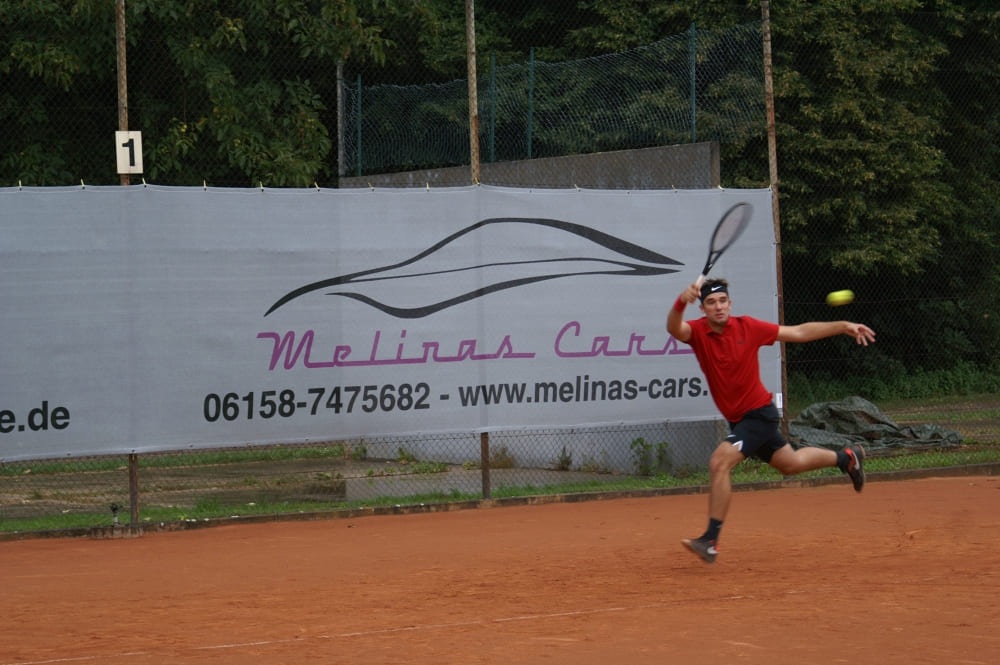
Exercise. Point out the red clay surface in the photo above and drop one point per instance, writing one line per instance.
(907, 572)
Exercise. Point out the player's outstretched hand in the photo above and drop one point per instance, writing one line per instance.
(862, 333)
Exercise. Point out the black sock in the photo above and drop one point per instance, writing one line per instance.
(843, 459)
(712, 533)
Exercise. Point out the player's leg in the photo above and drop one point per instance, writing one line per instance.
(790, 461)
(720, 466)
(723, 460)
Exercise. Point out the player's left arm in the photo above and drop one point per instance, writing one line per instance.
(807, 332)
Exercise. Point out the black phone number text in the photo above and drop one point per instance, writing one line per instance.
(339, 399)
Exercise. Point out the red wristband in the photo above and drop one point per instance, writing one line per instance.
(679, 305)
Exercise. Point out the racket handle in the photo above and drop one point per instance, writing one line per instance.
(701, 280)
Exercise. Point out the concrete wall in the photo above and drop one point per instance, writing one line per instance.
(688, 166)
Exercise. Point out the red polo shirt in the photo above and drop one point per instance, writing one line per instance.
(730, 363)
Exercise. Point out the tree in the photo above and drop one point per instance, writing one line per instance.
(258, 81)
(58, 82)
(229, 93)
(880, 175)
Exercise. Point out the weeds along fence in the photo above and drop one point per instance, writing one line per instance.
(179, 485)
(57, 495)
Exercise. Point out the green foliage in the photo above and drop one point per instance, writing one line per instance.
(859, 120)
(596, 465)
(502, 458)
(407, 468)
(253, 79)
(887, 160)
(208, 507)
(564, 462)
(207, 504)
(245, 82)
(617, 26)
(893, 382)
(650, 459)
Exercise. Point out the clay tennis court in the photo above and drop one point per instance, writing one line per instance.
(906, 572)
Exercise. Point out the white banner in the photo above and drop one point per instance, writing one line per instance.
(149, 318)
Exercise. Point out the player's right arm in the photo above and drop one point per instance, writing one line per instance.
(676, 325)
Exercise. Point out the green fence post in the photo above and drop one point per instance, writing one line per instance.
(493, 107)
(358, 104)
(693, 43)
(531, 95)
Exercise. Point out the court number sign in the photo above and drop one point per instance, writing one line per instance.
(128, 147)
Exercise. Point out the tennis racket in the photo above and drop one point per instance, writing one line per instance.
(729, 228)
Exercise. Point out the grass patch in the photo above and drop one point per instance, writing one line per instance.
(183, 459)
(750, 471)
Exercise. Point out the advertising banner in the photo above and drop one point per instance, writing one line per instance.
(153, 318)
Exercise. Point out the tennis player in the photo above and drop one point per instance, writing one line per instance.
(727, 348)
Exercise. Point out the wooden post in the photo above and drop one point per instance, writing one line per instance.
(470, 33)
(122, 78)
(772, 160)
(133, 489)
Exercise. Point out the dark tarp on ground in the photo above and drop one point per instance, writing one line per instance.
(856, 420)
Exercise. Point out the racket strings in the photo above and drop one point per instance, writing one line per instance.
(730, 227)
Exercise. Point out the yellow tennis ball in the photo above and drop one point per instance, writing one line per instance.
(837, 298)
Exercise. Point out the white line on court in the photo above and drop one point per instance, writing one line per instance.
(363, 633)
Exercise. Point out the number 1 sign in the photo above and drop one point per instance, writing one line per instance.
(128, 146)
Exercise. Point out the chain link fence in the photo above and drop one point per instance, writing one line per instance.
(887, 167)
(209, 117)
(82, 494)
(700, 86)
(188, 485)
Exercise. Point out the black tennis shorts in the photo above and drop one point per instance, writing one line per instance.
(758, 434)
